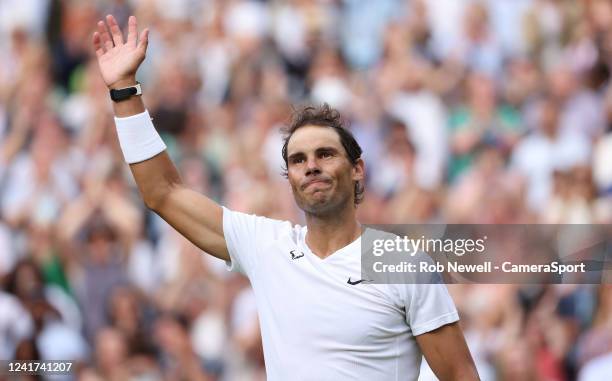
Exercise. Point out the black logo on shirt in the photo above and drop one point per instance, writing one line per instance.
(352, 283)
(296, 256)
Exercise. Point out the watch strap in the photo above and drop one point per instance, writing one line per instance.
(118, 95)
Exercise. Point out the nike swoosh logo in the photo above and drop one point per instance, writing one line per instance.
(352, 283)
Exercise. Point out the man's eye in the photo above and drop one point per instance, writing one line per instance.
(326, 154)
(297, 160)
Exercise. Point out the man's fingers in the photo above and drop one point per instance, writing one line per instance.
(104, 36)
(132, 31)
(97, 43)
(115, 31)
(144, 40)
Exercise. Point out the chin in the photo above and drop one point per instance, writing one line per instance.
(319, 210)
(315, 204)
(322, 206)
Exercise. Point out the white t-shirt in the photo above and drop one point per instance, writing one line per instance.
(317, 326)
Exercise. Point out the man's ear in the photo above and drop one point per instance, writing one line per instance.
(359, 170)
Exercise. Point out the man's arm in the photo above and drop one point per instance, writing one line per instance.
(195, 216)
(447, 353)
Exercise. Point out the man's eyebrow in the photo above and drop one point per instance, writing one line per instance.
(320, 149)
(323, 149)
(295, 154)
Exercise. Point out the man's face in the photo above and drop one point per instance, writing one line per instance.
(319, 171)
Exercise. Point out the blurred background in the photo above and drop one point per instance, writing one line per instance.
(495, 111)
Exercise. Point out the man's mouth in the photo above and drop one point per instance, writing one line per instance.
(315, 181)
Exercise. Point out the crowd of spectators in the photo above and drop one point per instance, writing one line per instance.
(468, 111)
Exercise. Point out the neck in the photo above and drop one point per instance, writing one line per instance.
(328, 234)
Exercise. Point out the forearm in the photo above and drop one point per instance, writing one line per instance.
(157, 175)
(155, 178)
(465, 373)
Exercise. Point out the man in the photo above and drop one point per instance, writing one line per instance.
(318, 320)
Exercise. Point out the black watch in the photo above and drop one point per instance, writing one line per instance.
(118, 95)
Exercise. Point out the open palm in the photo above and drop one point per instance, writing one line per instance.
(119, 60)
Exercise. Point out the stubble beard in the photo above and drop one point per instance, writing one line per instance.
(330, 205)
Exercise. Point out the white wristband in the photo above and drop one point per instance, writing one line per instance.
(138, 138)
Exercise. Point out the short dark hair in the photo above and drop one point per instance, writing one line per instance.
(324, 116)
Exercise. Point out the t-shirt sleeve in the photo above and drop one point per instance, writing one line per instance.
(428, 307)
(246, 236)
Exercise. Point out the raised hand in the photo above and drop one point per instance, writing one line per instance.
(119, 60)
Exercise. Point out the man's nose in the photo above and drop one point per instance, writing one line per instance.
(312, 167)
